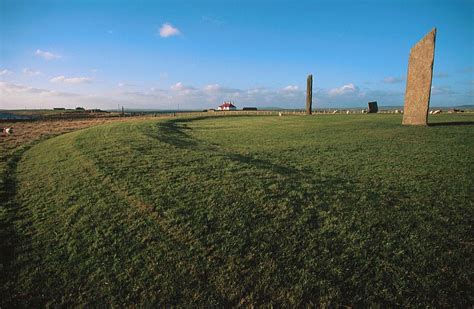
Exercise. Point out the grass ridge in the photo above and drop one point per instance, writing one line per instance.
(286, 211)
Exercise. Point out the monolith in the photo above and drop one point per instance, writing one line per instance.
(420, 74)
(309, 94)
(373, 107)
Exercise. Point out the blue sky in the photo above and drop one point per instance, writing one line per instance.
(195, 54)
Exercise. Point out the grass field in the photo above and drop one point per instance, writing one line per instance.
(322, 210)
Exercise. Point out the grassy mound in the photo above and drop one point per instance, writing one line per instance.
(331, 210)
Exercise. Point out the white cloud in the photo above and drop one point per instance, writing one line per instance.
(210, 96)
(124, 84)
(393, 80)
(47, 55)
(71, 80)
(257, 90)
(344, 90)
(291, 88)
(213, 87)
(22, 89)
(30, 72)
(180, 87)
(10, 88)
(216, 89)
(17, 95)
(167, 30)
(5, 72)
(440, 90)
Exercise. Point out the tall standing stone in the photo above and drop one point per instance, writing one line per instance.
(420, 74)
(309, 94)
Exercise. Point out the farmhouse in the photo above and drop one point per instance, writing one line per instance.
(227, 106)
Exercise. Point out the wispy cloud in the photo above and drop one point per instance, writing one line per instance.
(10, 87)
(393, 80)
(19, 88)
(47, 55)
(180, 87)
(71, 80)
(18, 95)
(216, 89)
(167, 30)
(211, 95)
(213, 87)
(344, 90)
(441, 90)
(291, 88)
(30, 72)
(123, 84)
(5, 72)
(441, 75)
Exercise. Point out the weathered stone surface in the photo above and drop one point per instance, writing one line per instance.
(309, 94)
(373, 107)
(420, 74)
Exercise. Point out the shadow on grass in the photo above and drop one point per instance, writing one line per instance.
(264, 164)
(174, 133)
(11, 240)
(9, 236)
(454, 123)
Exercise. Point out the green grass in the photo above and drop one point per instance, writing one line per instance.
(322, 210)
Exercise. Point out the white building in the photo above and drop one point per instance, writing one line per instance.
(227, 106)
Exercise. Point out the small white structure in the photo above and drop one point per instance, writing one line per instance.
(227, 106)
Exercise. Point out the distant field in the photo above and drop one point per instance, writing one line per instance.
(321, 210)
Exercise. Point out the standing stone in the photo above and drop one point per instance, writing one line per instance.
(373, 107)
(309, 94)
(420, 74)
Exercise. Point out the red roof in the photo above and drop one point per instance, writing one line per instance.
(227, 104)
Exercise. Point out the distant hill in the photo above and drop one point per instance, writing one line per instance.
(466, 106)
